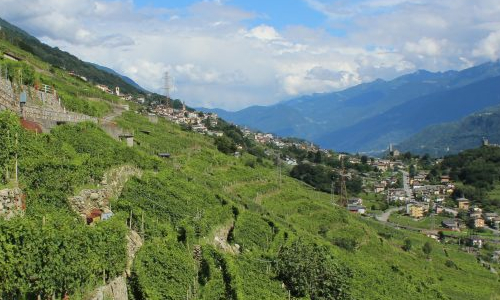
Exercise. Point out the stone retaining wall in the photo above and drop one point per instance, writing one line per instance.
(12, 203)
(7, 97)
(111, 187)
(34, 113)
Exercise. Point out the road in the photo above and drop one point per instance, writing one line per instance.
(117, 111)
(385, 216)
(406, 185)
(451, 211)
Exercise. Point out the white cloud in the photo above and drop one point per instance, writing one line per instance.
(218, 60)
(426, 46)
(489, 47)
(264, 32)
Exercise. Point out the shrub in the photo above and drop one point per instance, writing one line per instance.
(407, 246)
(310, 270)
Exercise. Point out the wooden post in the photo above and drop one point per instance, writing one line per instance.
(142, 225)
(17, 183)
(130, 221)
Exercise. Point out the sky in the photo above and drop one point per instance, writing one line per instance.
(233, 54)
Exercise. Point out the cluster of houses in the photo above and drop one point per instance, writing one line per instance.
(477, 218)
(197, 120)
(269, 138)
(117, 92)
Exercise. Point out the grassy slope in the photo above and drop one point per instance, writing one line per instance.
(76, 95)
(200, 177)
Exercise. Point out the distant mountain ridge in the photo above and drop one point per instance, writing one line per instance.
(342, 120)
(404, 120)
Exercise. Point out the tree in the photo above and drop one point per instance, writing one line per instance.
(441, 236)
(427, 249)
(413, 171)
(407, 246)
(225, 145)
(364, 159)
(318, 158)
(309, 270)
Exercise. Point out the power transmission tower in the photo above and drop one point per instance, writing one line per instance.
(343, 189)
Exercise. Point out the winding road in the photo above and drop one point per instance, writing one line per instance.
(385, 216)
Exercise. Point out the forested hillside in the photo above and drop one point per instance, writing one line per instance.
(478, 170)
(451, 138)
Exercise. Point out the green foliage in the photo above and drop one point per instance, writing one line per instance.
(427, 248)
(451, 264)
(478, 170)
(252, 232)
(225, 145)
(164, 270)
(347, 243)
(18, 72)
(310, 270)
(408, 245)
(9, 128)
(321, 176)
(60, 256)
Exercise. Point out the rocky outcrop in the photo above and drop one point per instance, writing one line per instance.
(134, 243)
(12, 203)
(220, 240)
(116, 290)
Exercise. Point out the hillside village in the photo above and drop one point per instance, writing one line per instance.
(395, 192)
(416, 195)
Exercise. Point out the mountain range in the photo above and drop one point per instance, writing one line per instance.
(367, 117)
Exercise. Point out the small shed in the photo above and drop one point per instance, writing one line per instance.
(164, 155)
(450, 224)
(128, 138)
(360, 209)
